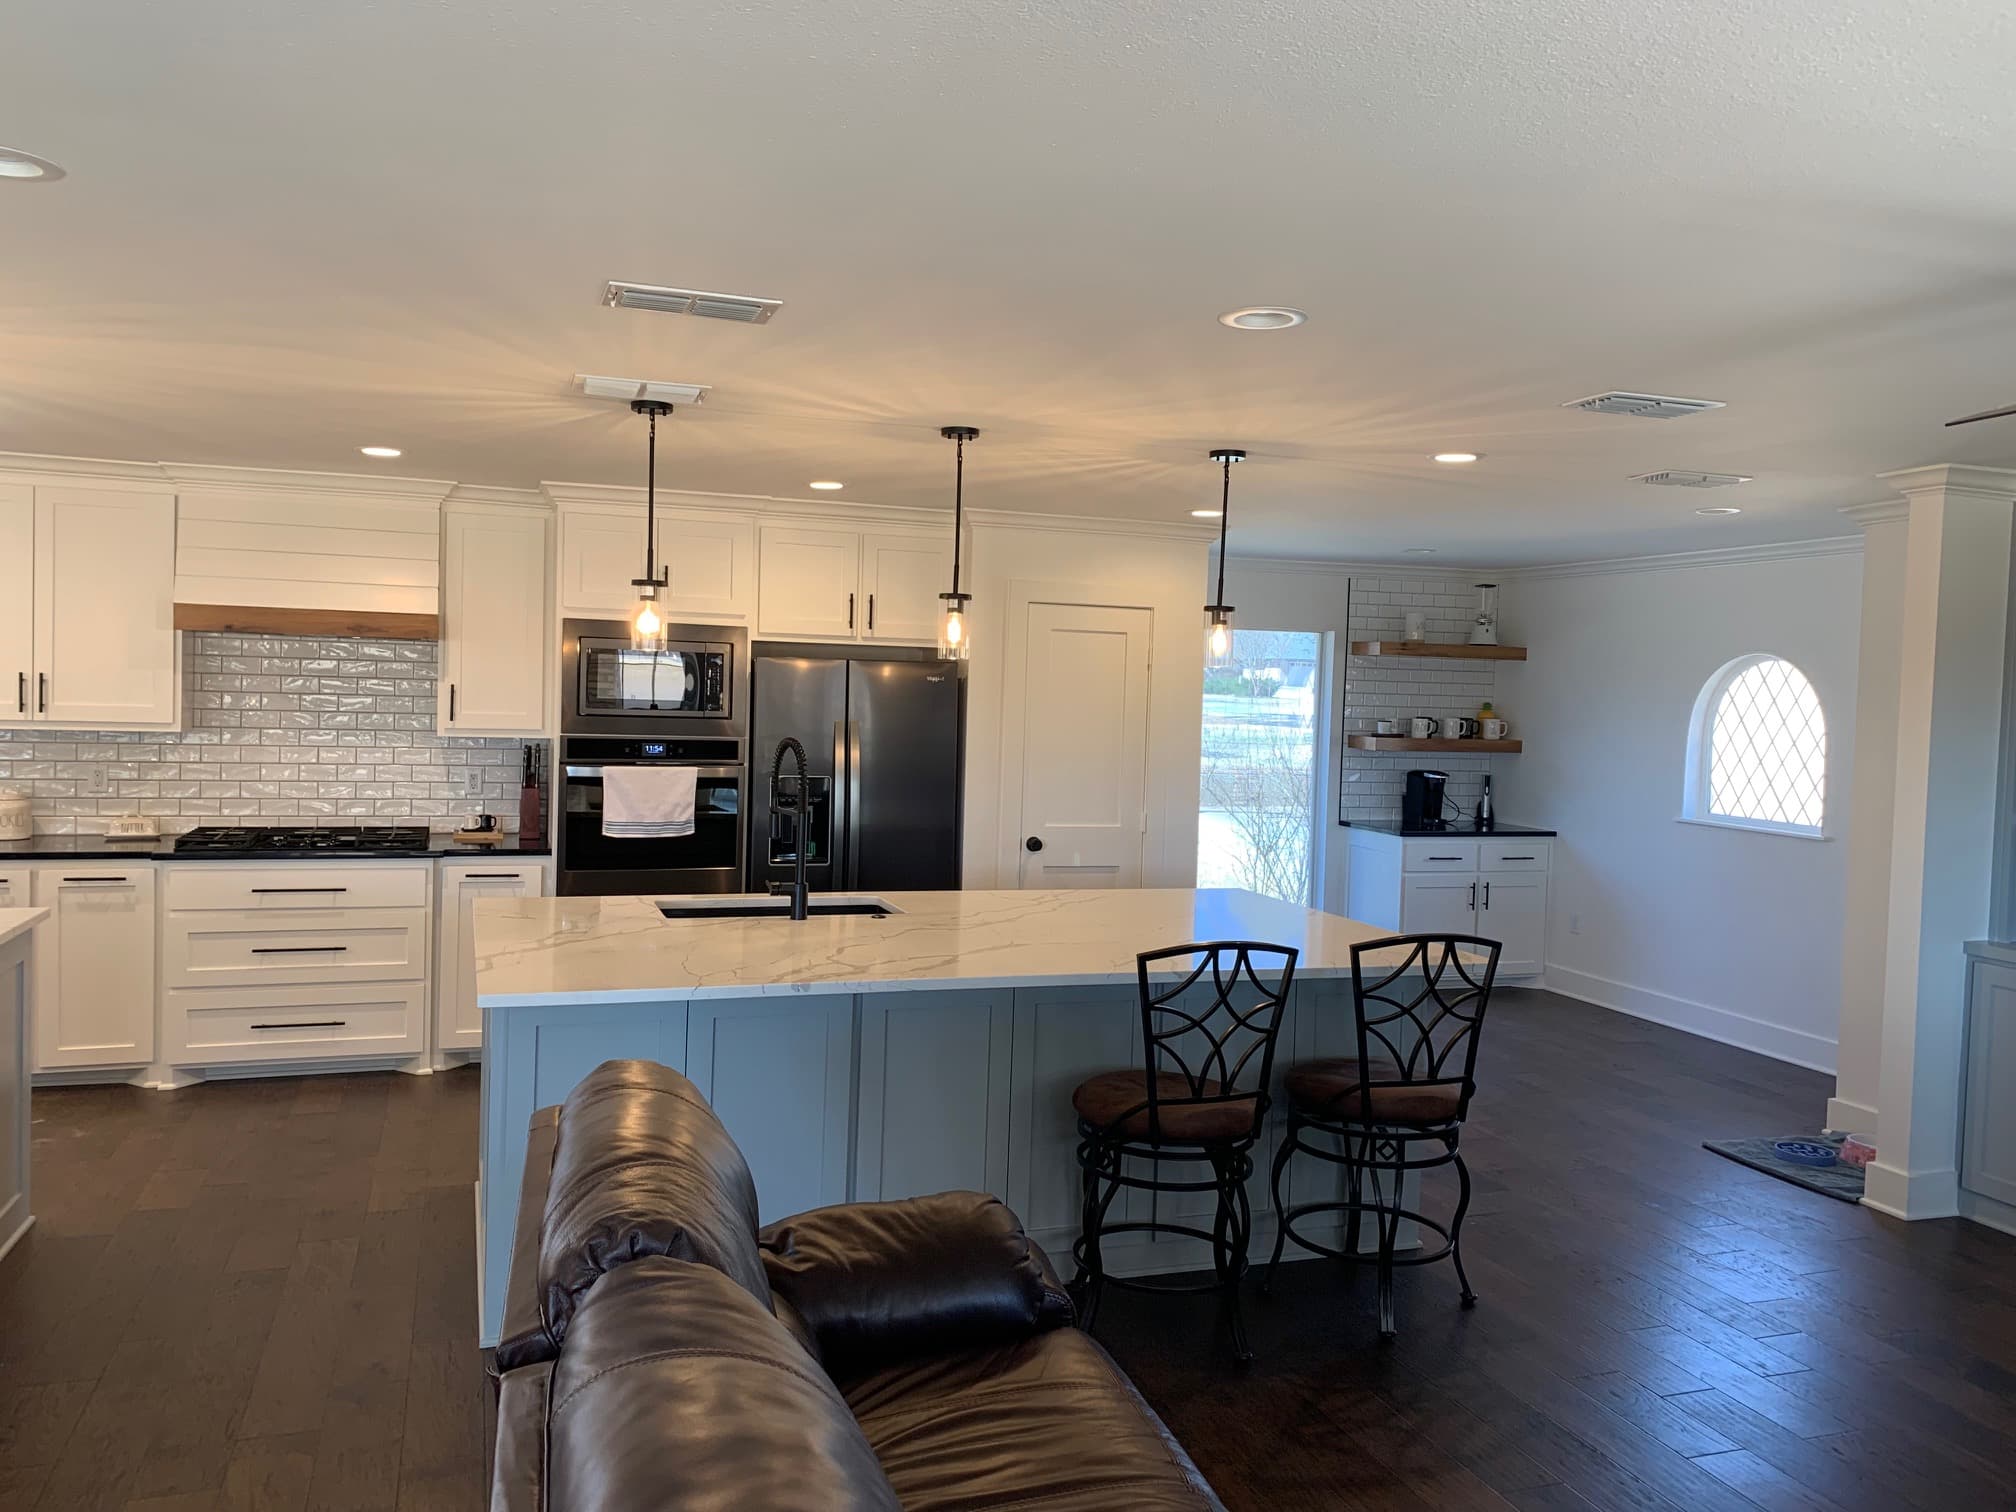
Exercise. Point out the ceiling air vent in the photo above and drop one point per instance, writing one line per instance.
(746, 308)
(627, 389)
(1645, 406)
(1690, 479)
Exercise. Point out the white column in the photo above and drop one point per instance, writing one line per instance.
(1947, 715)
(1869, 818)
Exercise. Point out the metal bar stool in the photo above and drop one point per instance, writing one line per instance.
(1208, 1040)
(1423, 1018)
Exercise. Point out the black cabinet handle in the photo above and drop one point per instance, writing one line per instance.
(451, 703)
(850, 611)
(493, 876)
(871, 613)
(295, 949)
(1445, 858)
(1473, 895)
(307, 1024)
(21, 693)
(1487, 894)
(100, 878)
(299, 889)
(41, 692)
(1518, 858)
(1033, 843)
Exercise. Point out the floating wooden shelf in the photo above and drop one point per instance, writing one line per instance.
(1455, 649)
(1450, 747)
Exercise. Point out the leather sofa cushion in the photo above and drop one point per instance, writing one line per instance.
(1117, 1101)
(642, 1167)
(1048, 1422)
(679, 1392)
(1329, 1089)
(878, 1282)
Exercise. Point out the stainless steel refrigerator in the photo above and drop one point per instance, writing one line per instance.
(883, 733)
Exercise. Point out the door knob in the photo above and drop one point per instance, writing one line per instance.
(1033, 843)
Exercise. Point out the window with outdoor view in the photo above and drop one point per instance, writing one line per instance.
(1262, 756)
(1757, 749)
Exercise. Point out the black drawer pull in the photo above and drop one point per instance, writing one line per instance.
(299, 889)
(493, 876)
(295, 949)
(1445, 858)
(94, 879)
(1518, 858)
(307, 1024)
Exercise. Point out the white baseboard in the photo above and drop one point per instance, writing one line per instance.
(1724, 1025)
(1845, 1117)
(1983, 1210)
(1911, 1195)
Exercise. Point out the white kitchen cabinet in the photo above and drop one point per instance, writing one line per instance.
(709, 556)
(495, 645)
(1988, 1126)
(839, 583)
(94, 966)
(87, 607)
(1494, 886)
(16, 889)
(933, 1095)
(458, 1021)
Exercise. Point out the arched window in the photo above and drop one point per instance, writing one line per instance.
(1757, 749)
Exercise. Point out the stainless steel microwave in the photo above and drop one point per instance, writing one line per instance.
(695, 686)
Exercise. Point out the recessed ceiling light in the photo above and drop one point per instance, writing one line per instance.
(25, 165)
(1206, 514)
(1420, 551)
(826, 485)
(1456, 456)
(380, 451)
(1719, 509)
(1262, 318)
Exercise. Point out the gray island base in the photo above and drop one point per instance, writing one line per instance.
(859, 1058)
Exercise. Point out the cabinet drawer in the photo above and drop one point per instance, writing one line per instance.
(1440, 856)
(231, 1025)
(1513, 855)
(268, 888)
(14, 887)
(228, 948)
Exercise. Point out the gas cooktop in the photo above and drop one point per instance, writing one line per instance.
(220, 839)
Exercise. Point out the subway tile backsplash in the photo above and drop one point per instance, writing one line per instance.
(1393, 688)
(279, 730)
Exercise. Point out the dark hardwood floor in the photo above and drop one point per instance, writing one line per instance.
(261, 1295)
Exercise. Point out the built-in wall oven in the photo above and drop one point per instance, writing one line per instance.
(684, 706)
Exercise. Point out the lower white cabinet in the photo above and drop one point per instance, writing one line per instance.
(94, 966)
(1988, 1127)
(294, 962)
(458, 1021)
(1494, 886)
(16, 888)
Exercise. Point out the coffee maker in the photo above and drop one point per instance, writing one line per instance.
(1421, 803)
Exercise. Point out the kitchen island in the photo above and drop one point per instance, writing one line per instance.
(17, 942)
(856, 1056)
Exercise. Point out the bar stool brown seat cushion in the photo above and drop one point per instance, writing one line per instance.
(1328, 1089)
(1105, 1101)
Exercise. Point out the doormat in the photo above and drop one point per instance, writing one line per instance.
(1841, 1181)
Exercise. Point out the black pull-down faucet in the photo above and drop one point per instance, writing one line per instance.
(799, 808)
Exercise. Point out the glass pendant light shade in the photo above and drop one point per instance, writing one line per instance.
(955, 626)
(647, 620)
(1218, 614)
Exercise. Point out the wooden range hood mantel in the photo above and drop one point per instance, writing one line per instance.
(359, 624)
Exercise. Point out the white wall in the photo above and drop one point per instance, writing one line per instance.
(1729, 934)
(1113, 564)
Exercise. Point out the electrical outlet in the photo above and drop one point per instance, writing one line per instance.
(97, 781)
(1574, 923)
(472, 782)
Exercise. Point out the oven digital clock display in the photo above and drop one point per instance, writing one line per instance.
(654, 748)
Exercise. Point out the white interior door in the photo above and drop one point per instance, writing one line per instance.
(1083, 752)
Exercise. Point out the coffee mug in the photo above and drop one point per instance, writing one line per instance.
(1386, 727)
(1421, 727)
(479, 823)
(1491, 729)
(1458, 727)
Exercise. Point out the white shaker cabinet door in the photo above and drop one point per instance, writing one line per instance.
(1512, 909)
(94, 966)
(902, 576)
(17, 603)
(811, 583)
(105, 641)
(1431, 903)
(458, 1022)
(708, 557)
(16, 890)
(494, 646)
(599, 555)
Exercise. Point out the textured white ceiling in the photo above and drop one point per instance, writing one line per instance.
(292, 228)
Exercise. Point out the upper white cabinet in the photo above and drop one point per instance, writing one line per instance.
(709, 556)
(87, 607)
(843, 584)
(495, 642)
(94, 966)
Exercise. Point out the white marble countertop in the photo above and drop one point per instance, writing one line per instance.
(18, 921)
(537, 951)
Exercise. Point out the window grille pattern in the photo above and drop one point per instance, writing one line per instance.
(1766, 753)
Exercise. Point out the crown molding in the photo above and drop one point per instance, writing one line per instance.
(266, 481)
(1151, 530)
(1879, 512)
(29, 464)
(1320, 567)
(1781, 551)
(1996, 483)
(500, 498)
(859, 513)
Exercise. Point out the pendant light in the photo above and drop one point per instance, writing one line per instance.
(955, 636)
(1218, 616)
(647, 621)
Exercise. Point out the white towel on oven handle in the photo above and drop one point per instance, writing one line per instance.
(648, 802)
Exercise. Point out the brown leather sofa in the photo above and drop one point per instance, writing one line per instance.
(660, 1352)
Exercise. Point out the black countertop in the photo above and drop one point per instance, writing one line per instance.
(1461, 830)
(98, 848)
